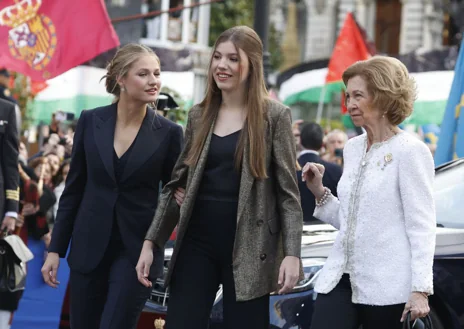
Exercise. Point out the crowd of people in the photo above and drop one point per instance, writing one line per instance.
(42, 178)
(238, 184)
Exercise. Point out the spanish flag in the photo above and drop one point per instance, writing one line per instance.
(451, 141)
(42, 38)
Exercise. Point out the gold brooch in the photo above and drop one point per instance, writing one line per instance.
(159, 323)
(386, 160)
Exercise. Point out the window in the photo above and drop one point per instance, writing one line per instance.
(449, 191)
(118, 3)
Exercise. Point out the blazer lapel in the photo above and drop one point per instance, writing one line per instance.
(104, 124)
(151, 134)
(246, 180)
(200, 166)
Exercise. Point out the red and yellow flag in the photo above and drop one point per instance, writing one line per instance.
(43, 38)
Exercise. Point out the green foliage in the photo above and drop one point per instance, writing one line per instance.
(177, 115)
(227, 14)
(21, 91)
(277, 56)
(231, 13)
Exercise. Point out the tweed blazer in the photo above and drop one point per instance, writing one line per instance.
(269, 217)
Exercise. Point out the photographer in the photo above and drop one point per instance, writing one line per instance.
(335, 142)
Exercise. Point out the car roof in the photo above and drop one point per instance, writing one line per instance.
(449, 165)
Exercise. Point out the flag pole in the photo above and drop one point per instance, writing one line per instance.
(320, 106)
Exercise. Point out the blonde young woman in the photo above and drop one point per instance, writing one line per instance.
(121, 153)
(240, 222)
(380, 267)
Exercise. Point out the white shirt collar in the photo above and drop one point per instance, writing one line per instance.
(308, 151)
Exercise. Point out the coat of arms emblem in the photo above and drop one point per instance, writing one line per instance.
(32, 36)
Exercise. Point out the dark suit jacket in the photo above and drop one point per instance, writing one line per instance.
(92, 197)
(269, 217)
(9, 144)
(332, 175)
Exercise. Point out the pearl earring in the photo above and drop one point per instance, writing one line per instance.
(122, 88)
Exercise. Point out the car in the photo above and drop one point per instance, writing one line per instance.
(294, 310)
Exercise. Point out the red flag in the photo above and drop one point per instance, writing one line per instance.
(38, 86)
(349, 48)
(42, 39)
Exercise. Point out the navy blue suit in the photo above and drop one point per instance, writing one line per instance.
(105, 292)
(332, 175)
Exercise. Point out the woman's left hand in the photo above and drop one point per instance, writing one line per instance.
(289, 274)
(418, 305)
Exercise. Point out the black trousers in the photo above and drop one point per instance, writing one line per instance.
(336, 311)
(205, 261)
(110, 297)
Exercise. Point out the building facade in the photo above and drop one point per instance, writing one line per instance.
(396, 26)
(179, 37)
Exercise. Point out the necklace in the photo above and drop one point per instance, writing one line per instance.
(387, 137)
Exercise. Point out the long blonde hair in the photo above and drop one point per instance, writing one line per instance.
(256, 100)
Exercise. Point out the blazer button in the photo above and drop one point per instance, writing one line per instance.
(260, 222)
(263, 256)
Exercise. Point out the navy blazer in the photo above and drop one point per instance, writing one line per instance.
(332, 175)
(92, 197)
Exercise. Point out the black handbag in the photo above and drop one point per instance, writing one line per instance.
(426, 323)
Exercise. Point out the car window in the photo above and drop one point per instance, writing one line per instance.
(449, 197)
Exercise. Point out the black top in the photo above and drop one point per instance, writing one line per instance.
(119, 165)
(221, 180)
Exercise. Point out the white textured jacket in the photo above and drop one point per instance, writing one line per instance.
(386, 216)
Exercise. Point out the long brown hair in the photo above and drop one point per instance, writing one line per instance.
(256, 100)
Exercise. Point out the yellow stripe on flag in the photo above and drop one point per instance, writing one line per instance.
(457, 112)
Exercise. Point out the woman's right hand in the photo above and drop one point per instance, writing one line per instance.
(312, 174)
(50, 269)
(144, 264)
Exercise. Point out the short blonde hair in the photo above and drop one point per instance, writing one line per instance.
(389, 83)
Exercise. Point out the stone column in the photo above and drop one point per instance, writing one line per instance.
(164, 21)
(365, 14)
(344, 8)
(433, 26)
(186, 22)
(290, 45)
(201, 54)
(321, 28)
(412, 25)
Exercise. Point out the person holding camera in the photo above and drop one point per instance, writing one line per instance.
(335, 142)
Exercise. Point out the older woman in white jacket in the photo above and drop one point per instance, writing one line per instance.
(380, 267)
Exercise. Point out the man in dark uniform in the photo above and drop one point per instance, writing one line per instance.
(6, 95)
(9, 174)
(9, 192)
